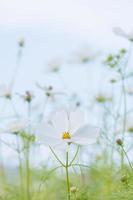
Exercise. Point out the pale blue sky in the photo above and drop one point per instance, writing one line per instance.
(56, 28)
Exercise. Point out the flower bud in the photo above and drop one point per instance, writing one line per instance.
(49, 91)
(8, 96)
(130, 129)
(113, 80)
(21, 42)
(124, 179)
(78, 104)
(119, 142)
(28, 96)
(73, 189)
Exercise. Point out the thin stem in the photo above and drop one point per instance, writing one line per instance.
(116, 118)
(14, 109)
(7, 144)
(57, 157)
(27, 173)
(44, 107)
(123, 75)
(43, 179)
(125, 116)
(67, 177)
(2, 162)
(20, 165)
(66, 166)
(79, 165)
(19, 56)
(125, 105)
(28, 158)
(75, 196)
(74, 156)
(127, 157)
(19, 152)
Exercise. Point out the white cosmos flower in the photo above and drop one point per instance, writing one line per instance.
(51, 92)
(119, 31)
(67, 128)
(103, 97)
(16, 126)
(84, 55)
(5, 91)
(129, 124)
(129, 90)
(54, 65)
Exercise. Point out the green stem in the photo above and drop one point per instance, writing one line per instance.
(2, 163)
(28, 157)
(79, 165)
(123, 75)
(127, 157)
(124, 118)
(74, 156)
(28, 174)
(56, 157)
(19, 56)
(44, 178)
(67, 177)
(20, 166)
(66, 166)
(75, 196)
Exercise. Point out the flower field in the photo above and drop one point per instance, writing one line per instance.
(66, 122)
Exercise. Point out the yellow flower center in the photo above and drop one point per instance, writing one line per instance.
(66, 135)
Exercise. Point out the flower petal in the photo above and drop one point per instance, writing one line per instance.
(60, 121)
(45, 130)
(50, 141)
(17, 126)
(5, 90)
(77, 119)
(86, 135)
(119, 31)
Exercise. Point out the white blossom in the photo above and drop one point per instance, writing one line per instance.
(67, 128)
(128, 35)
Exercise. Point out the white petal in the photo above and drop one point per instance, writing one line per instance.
(86, 135)
(45, 130)
(2, 131)
(17, 126)
(50, 141)
(4, 90)
(130, 35)
(60, 121)
(77, 119)
(120, 32)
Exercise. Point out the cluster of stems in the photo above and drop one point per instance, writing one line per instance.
(67, 165)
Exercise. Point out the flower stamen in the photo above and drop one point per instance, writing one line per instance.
(66, 135)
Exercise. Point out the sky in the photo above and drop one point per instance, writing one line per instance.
(55, 28)
(72, 16)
